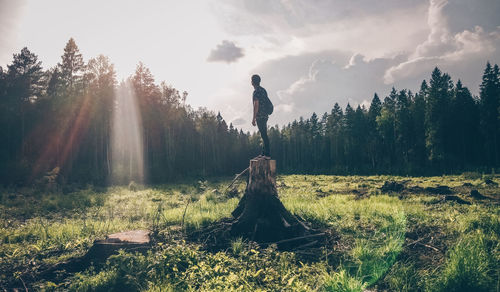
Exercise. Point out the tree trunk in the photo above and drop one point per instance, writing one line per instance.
(260, 215)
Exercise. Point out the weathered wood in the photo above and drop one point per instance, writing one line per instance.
(135, 240)
(260, 215)
(262, 175)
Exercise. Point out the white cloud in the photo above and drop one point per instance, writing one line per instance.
(370, 28)
(238, 121)
(10, 16)
(445, 49)
(328, 82)
(226, 51)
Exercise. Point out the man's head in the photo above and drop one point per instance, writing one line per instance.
(255, 80)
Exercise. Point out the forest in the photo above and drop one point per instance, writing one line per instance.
(61, 117)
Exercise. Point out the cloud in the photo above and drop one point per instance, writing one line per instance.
(238, 121)
(227, 52)
(465, 15)
(328, 82)
(302, 84)
(10, 12)
(345, 51)
(275, 27)
(355, 78)
(297, 16)
(445, 49)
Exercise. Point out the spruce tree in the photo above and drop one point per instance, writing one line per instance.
(436, 119)
(465, 126)
(489, 102)
(72, 67)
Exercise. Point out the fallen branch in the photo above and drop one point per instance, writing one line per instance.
(415, 241)
(24, 284)
(296, 238)
(429, 246)
(307, 245)
(235, 178)
(423, 244)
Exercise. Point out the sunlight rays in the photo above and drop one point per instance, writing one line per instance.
(126, 138)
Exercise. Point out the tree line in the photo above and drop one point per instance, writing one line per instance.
(62, 117)
(442, 128)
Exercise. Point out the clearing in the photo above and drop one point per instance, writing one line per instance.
(392, 234)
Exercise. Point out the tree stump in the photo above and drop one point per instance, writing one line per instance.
(260, 215)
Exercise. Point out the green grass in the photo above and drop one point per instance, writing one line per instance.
(387, 241)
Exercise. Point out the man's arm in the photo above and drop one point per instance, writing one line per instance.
(255, 110)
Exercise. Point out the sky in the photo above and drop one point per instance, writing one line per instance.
(310, 54)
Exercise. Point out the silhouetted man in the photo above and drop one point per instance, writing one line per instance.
(260, 114)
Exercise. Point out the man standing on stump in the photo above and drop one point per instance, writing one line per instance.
(262, 108)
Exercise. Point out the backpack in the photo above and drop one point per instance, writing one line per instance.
(268, 106)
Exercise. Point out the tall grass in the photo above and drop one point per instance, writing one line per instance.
(468, 266)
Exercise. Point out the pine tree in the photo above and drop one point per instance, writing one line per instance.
(374, 141)
(403, 126)
(438, 101)
(489, 102)
(386, 128)
(465, 121)
(72, 68)
(25, 82)
(334, 133)
(25, 77)
(418, 155)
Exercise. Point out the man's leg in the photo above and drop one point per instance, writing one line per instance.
(262, 125)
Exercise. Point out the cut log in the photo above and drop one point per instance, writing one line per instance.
(260, 215)
(136, 240)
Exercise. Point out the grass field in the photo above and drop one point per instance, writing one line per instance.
(409, 240)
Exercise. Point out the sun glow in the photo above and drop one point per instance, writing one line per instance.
(126, 138)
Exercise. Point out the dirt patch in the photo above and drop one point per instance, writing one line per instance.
(392, 186)
(489, 182)
(439, 190)
(477, 195)
(400, 187)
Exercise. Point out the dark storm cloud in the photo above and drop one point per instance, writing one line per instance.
(10, 12)
(227, 52)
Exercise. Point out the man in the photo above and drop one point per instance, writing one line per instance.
(259, 114)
